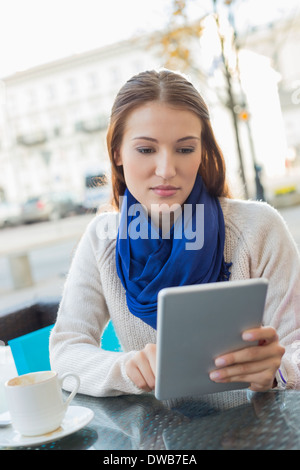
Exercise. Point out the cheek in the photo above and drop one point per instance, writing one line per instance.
(192, 168)
(136, 176)
(132, 169)
(137, 168)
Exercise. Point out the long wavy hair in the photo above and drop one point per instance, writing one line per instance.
(174, 89)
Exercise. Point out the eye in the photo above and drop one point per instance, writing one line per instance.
(145, 150)
(186, 150)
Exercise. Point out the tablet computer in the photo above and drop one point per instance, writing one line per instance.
(197, 323)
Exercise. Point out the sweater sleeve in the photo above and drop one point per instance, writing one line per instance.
(82, 317)
(274, 255)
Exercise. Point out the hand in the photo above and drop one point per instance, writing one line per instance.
(141, 368)
(256, 364)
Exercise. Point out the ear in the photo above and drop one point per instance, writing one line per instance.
(118, 158)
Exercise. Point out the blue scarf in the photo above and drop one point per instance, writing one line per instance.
(147, 261)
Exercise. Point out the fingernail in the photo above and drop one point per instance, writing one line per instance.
(219, 362)
(247, 336)
(214, 375)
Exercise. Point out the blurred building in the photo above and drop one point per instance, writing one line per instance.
(53, 117)
(280, 43)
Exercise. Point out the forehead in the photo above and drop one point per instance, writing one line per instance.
(157, 116)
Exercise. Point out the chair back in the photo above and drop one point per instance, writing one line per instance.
(31, 351)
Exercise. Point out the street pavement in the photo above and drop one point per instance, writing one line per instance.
(50, 262)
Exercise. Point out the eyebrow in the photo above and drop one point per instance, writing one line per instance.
(189, 137)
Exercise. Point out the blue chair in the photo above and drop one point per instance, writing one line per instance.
(31, 351)
(109, 340)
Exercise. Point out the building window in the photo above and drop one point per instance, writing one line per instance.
(71, 86)
(51, 92)
(93, 80)
(31, 98)
(115, 75)
(12, 104)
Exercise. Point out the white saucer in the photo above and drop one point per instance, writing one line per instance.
(5, 419)
(76, 418)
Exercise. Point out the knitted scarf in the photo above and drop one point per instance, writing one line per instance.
(149, 260)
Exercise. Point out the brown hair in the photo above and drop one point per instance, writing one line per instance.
(173, 89)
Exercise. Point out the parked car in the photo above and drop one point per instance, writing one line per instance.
(50, 207)
(10, 214)
(96, 191)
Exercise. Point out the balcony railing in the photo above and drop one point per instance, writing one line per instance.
(95, 124)
(30, 139)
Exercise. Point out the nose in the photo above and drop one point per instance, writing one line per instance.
(165, 165)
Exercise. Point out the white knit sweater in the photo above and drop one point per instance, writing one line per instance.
(258, 244)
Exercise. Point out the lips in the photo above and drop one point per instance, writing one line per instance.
(165, 190)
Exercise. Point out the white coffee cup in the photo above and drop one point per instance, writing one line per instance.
(35, 401)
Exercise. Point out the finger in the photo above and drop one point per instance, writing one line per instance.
(137, 378)
(252, 354)
(260, 380)
(145, 368)
(139, 371)
(264, 333)
(150, 350)
(148, 376)
(244, 369)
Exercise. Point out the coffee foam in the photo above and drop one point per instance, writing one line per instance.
(30, 379)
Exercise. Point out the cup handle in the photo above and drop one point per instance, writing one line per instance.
(73, 393)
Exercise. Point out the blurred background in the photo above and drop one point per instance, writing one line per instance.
(61, 65)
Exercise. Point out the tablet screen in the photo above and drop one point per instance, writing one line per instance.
(195, 324)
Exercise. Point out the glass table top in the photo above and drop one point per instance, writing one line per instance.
(230, 420)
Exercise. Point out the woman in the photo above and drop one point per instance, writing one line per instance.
(164, 158)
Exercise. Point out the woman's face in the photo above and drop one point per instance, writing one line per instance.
(160, 153)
